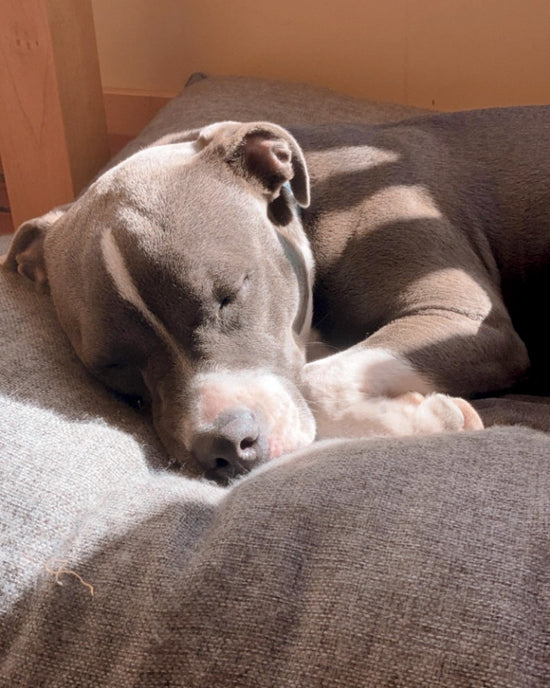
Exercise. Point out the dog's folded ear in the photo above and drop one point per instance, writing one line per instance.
(264, 154)
(26, 253)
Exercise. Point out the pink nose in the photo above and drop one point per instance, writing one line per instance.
(233, 446)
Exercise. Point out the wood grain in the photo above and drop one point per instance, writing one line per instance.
(53, 136)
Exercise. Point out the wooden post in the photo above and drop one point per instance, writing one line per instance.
(53, 136)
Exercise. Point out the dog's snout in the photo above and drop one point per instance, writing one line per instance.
(233, 446)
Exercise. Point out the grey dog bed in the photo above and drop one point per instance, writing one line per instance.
(388, 562)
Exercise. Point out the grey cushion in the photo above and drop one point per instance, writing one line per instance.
(410, 562)
(246, 99)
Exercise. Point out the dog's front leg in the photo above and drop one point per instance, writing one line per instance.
(364, 391)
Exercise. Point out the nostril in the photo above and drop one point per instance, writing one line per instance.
(222, 464)
(248, 442)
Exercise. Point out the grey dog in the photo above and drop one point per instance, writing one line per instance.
(189, 273)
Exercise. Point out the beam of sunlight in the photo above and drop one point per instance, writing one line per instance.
(402, 202)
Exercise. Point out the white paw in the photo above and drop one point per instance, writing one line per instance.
(362, 393)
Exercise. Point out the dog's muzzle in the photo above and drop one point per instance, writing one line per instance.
(241, 419)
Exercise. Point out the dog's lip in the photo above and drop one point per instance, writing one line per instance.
(276, 447)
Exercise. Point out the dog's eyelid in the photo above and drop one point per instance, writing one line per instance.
(106, 365)
(225, 301)
(226, 296)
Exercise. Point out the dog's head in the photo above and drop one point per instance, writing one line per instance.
(183, 276)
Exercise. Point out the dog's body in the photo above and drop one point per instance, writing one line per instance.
(433, 236)
(184, 274)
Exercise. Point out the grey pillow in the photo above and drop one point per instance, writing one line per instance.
(215, 99)
(383, 563)
(412, 562)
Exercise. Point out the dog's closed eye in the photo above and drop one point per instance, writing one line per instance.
(226, 296)
(136, 402)
(225, 301)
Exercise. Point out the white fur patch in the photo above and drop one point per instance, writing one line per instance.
(365, 392)
(365, 372)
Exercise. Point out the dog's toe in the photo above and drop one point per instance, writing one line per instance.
(472, 419)
(413, 398)
(439, 412)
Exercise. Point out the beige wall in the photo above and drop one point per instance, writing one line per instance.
(447, 54)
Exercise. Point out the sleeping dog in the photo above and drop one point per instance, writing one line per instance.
(184, 275)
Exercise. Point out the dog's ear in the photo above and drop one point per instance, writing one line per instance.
(26, 253)
(265, 154)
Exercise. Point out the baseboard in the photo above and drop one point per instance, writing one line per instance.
(127, 112)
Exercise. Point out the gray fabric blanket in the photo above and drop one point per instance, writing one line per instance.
(421, 562)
